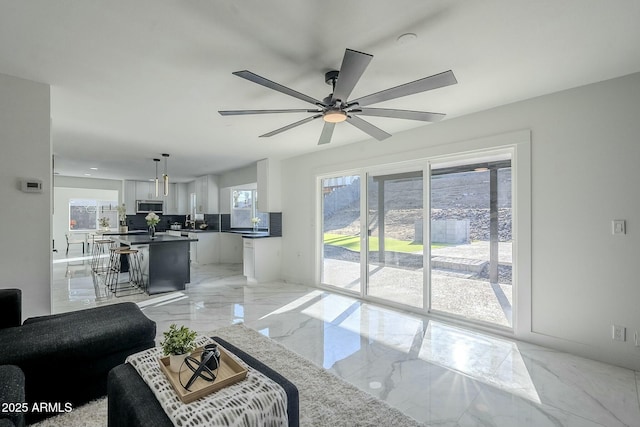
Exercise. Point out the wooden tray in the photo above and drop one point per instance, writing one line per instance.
(228, 373)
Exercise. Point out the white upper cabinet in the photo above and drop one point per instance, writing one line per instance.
(171, 201)
(146, 190)
(176, 203)
(206, 189)
(269, 186)
(182, 194)
(130, 196)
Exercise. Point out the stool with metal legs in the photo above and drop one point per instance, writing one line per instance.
(112, 272)
(135, 285)
(98, 254)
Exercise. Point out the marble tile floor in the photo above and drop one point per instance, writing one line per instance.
(439, 374)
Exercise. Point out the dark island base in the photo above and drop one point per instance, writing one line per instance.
(168, 267)
(164, 260)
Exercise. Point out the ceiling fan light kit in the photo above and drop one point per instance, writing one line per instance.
(336, 107)
(334, 116)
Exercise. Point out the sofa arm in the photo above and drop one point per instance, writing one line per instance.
(10, 307)
(11, 392)
(77, 338)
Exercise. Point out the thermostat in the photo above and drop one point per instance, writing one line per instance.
(31, 185)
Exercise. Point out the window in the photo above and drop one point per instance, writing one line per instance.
(244, 207)
(86, 214)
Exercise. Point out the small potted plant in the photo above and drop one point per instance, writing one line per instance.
(178, 344)
(104, 223)
(122, 217)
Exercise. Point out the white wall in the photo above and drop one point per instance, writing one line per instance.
(25, 219)
(246, 175)
(585, 150)
(91, 183)
(235, 177)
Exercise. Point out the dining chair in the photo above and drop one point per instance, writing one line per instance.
(71, 241)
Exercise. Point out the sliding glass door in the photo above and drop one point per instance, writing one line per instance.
(395, 237)
(376, 240)
(471, 240)
(341, 232)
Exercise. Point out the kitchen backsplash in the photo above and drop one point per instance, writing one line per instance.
(216, 222)
(137, 221)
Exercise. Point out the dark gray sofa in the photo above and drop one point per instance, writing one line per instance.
(66, 357)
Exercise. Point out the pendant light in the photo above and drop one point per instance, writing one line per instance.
(165, 177)
(156, 160)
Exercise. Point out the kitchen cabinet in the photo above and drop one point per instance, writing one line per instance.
(193, 249)
(206, 189)
(230, 248)
(269, 185)
(146, 190)
(171, 201)
(201, 194)
(208, 247)
(261, 259)
(130, 196)
(182, 196)
(176, 203)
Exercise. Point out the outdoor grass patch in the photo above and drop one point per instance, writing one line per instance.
(353, 243)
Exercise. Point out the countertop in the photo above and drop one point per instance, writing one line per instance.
(251, 234)
(197, 230)
(248, 234)
(125, 233)
(144, 239)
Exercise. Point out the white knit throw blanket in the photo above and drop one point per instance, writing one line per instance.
(254, 401)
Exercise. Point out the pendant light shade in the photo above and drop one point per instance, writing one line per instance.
(165, 176)
(156, 161)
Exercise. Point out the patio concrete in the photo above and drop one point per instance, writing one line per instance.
(454, 289)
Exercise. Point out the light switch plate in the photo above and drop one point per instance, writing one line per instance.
(619, 226)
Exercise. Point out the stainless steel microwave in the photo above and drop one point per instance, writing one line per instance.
(146, 206)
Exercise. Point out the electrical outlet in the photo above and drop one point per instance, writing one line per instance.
(619, 333)
(636, 338)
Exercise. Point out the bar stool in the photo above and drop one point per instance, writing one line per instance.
(98, 265)
(136, 284)
(113, 268)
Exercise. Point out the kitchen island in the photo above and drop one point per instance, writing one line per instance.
(164, 260)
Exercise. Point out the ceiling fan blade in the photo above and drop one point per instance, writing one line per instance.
(252, 77)
(327, 133)
(368, 128)
(428, 83)
(353, 65)
(244, 112)
(291, 126)
(399, 114)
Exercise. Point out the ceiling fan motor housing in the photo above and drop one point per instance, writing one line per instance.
(330, 77)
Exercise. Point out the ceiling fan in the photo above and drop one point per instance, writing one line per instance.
(337, 107)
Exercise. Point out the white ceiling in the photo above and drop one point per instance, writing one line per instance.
(131, 79)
